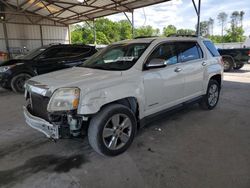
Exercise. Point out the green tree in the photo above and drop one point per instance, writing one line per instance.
(211, 26)
(101, 38)
(82, 34)
(215, 38)
(204, 28)
(185, 32)
(108, 28)
(242, 13)
(169, 30)
(146, 31)
(222, 18)
(236, 32)
(125, 30)
(236, 35)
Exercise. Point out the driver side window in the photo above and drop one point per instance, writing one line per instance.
(166, 52)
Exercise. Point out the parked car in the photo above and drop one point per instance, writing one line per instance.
(15, 72)
(118, 89)
(235, 58)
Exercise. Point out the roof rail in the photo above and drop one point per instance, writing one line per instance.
(55, 43)
(141, 37)
(181, 35)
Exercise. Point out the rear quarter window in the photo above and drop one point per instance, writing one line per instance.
(211, 48)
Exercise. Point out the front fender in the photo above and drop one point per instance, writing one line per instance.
(92, 102)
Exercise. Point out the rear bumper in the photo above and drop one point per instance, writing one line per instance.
(51, 131)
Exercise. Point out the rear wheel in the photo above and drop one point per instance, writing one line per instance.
(211, 98)
(228, 64)
(238, 66)
(112, 130)
(18, 81)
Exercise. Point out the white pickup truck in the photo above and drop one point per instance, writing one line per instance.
(117, 89)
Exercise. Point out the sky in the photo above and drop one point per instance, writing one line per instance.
(181, 13)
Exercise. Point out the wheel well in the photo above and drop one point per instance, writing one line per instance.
(23, 72)
(131, 103)
(228, 57)
(217, 77)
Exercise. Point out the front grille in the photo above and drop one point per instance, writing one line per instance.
(39, 105)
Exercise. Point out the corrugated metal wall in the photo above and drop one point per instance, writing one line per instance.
(21, 33)
(55, 35)
(2, 41)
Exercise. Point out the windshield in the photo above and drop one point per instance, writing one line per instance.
(116, 57)
(33, 53)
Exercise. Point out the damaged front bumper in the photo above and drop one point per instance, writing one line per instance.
(50, 130)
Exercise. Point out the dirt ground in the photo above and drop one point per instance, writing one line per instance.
(191, 149)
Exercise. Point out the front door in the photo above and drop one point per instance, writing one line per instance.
(49, 60)
(163, 87)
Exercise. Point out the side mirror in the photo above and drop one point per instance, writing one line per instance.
(156, 63)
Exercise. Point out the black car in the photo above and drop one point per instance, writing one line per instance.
(15, 72)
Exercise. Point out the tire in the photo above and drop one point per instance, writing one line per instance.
(210, 99)
(228, 64)
(118, 136)
(6, 87)
(238, 66)
(18, 81)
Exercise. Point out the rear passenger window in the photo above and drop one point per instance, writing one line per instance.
(189, 51)
(72, 51)
(211, 48)
(167, 52)
(60, 52)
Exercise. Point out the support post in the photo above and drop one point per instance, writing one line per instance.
(94, 31)
(41, 34)
(131, 22)
(198, 20)
(6, 38)
(69, 34)
(133, 27)
(197, 10)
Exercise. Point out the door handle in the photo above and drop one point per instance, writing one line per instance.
(204, 63)
(178, 69)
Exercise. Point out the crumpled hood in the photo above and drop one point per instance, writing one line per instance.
(75, 77)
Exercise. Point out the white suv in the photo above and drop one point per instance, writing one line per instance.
(114, 91)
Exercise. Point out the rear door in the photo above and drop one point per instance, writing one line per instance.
(193, 67)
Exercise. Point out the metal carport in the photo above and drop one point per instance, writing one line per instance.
(39, 22)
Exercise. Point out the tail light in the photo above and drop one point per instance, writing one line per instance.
(248, 52)
(221, 61)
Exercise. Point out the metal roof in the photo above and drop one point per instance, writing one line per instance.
(73, 11)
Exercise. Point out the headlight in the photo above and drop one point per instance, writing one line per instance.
(64, 99)
(5, 68)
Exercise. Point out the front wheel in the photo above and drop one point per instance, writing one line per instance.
(228, 64)
(210, 100)
(112, 130)
(18, 81)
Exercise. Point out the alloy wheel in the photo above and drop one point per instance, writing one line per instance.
(117, 131)
(213, 95)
